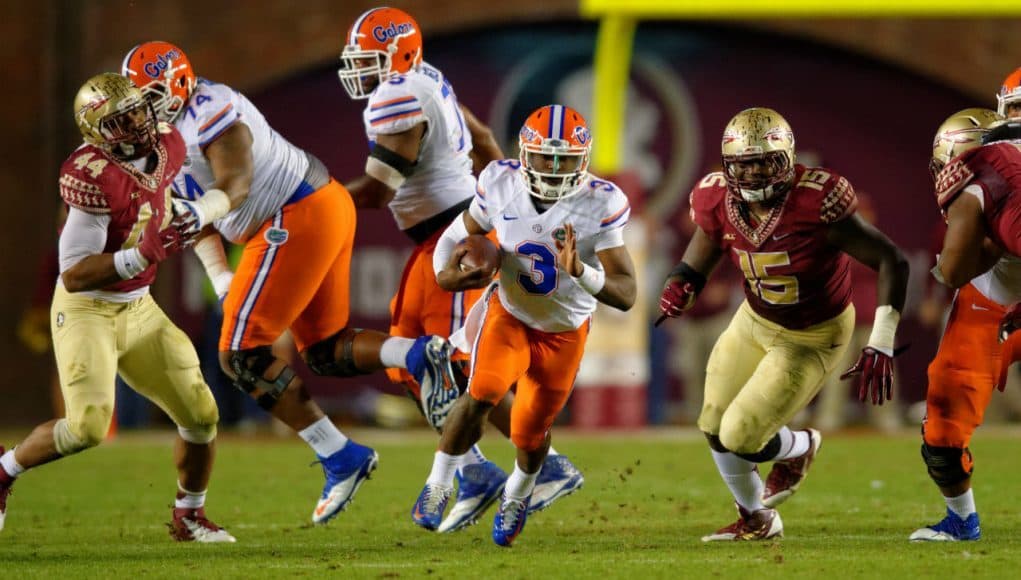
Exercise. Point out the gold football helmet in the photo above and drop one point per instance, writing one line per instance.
(758, 135)
(961, 131)
(111, 113)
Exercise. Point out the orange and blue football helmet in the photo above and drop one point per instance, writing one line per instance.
(1010, 93)
(382, 43)
(164, 74)
(554, 148)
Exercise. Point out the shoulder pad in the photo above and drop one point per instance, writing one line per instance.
(954, 177)
(211, 110)
(393, 107)
(82, 178)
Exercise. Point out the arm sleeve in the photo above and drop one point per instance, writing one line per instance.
(454, 233)
(393, 108)
(839, 203)
(611, 227)
(213, 107)
(84, 235)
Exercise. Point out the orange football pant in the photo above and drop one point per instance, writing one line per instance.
(969, 364)
(543, 364)
(421, 307)
(294, 273)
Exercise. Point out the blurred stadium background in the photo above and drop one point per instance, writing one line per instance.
(864, 96)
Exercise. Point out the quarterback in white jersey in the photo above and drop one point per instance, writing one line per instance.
(560, 232)
(424, 149)
(297, 226)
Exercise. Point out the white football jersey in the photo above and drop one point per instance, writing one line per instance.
(1002, 283)
(443, 177)
(279, 167)
(534, 286)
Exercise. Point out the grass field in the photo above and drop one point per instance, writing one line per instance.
(647, 500)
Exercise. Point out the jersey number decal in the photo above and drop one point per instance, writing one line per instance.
(771, 289)
(814, 179)
(542, 278)
(95, 167)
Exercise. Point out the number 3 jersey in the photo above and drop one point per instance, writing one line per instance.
(443, 176)
(793, 276)
(279, 168)
(534, 286)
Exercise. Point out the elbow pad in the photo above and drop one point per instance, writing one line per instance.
(388, 167)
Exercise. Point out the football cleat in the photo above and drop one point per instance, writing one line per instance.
(345, 472)
(509, 521)
(478, 486)
(429, 362)
(191, 525)
(6, 485)
(558, 478)
(431, 503)
(950, 529)
(757, 525)
(787, 474)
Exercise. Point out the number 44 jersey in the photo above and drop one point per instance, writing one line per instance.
(534, 286)
(793, 275)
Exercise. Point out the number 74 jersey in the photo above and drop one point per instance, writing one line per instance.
(534, 286)
(793, 275)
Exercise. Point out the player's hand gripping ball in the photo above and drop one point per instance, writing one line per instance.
(480, 254)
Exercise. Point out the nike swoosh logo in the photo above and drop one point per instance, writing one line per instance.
(509, 217)
(779, 237)
(977, 307)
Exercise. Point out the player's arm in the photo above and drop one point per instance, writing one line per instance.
(484, 146)
(209, 250)
(687, 279)
(620, 288)
(967, 252)
(85, 266)
(391, 161)
(447, 256)
(230, 158)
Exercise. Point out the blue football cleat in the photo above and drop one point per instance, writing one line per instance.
(478, 486)
(950, 529)
(558, 478)
(428, 510)
(429, 362)
(345, 472)
(509, 521)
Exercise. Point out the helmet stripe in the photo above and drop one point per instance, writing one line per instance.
(358, 24)
(125, 66)
(556, 118)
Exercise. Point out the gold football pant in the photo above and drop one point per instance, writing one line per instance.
(94, 340)
(761, 374)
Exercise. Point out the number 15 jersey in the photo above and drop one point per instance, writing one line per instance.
(793, 275)
(534, 286)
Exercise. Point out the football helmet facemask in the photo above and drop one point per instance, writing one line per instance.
(1010, 94)
(758, 135)
(112, 114)
(554, 147)
(164, 74)
(382, 43)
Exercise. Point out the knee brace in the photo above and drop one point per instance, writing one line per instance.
(250, 365)
(201, 435)
(947, 466)
(767, 453)
(66, 442)
(335, 356)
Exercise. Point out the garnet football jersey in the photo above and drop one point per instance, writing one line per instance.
(996, 169)
(93, 181)
(534, 286)
(793, 276)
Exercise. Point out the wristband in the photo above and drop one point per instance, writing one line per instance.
(129, 263)
(213, 205)
(591, 279)
(883, 329)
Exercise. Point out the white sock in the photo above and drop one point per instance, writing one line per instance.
(793, 443)
(474, 456)
(520, 484)
(551, 451)
(324, 437)
(962, 505)
(191, 500)
(444, 466)
(11, 465)
(741, 478)
(394, 351)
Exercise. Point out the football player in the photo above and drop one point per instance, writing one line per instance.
(791, 230)
(424, 146)
(297, 226)
(969, 363)
(1008, 100)
(561, 234)
(120, 225)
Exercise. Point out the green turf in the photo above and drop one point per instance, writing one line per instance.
(646, 502)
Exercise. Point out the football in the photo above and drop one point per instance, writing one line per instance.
(482, 253)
